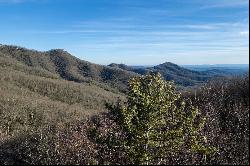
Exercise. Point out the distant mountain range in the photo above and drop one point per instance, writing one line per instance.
(187, 75)
(114, 76)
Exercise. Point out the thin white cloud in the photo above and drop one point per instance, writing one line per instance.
(224, 4)
(63, 32)
(205, 27)
(244, 33)
(131, 22)
(142, 29)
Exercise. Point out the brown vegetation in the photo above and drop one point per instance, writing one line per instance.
(50, 106)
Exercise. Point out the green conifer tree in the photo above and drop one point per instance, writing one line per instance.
(156, 122)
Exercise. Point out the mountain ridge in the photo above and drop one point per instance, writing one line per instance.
(114, 76)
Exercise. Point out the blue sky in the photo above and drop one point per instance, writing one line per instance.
(133, 32)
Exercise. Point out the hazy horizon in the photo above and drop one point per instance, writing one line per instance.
(132, 32)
